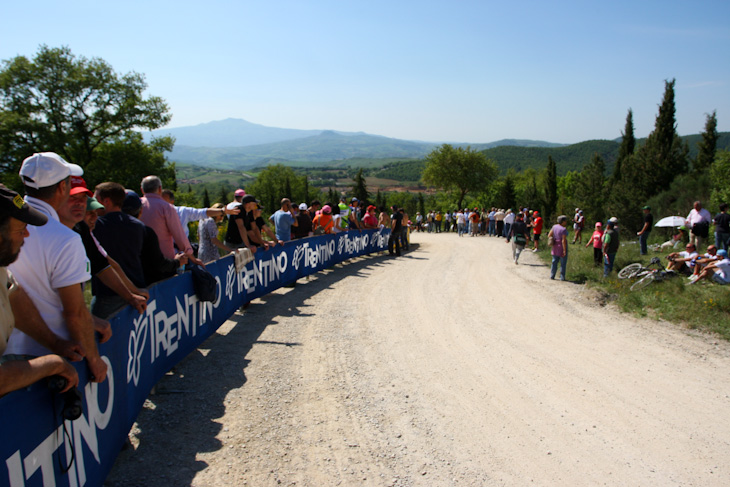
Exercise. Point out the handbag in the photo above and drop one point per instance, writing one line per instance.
(204, 283)
(520, 239)
(551, 240)
(701, 229)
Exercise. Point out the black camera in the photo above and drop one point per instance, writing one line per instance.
(72, 403)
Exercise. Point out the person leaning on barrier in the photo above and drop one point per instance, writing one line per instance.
(103, 266)
(304, 223)
(188, 214)
(239, 225)
(155, 266)
(284, 220)
(53, 265)
(17, 309)
(208, 237)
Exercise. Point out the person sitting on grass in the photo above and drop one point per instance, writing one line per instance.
(718, 271)
(683, 262)
(701, 261)
(676, 240)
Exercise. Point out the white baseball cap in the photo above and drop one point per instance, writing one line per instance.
(44, 169)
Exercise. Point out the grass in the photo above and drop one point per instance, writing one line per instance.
(704, 306)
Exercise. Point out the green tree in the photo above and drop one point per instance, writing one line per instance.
(206, 198)
(271, 185)
(708, 144)
(720, 173)
(70, 105)
(458, 170)
(590, 190)
(551, 189)
(360, 189)
(128, 159)
(628, 144)
(223, 196)
(664, 156)
(506, 197)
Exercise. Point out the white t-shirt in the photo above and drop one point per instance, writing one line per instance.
(723, 268)
(52, 257)
(7, 319)
(693, 255)
(509, 218)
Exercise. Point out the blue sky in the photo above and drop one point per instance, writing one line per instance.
(461, 71)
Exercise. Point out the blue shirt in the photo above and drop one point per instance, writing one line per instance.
(283, 220)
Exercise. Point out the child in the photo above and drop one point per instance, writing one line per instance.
(597, 239)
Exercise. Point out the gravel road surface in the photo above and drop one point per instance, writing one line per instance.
(449, 366)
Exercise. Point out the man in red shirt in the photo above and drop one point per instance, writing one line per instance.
(536, 230)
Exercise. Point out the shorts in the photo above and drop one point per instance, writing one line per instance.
(536, 237)
(719, 279)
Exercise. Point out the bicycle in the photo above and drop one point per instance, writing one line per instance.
(654, 275)
(637, 269)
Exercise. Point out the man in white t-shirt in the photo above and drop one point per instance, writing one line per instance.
(53, 265)
(683, 261)
(718, 271)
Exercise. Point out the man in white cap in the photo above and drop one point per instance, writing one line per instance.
(53, 264)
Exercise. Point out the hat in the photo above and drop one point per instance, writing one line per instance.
(248, 199)
(45, 169)
(326, 209)
(303, 206)
(78, 186)
(12, 204)
(239, 192)
(613, 219)
(354, 199)
(371, 207)
(647, 207)
(722, 253)
(535, 212)
(599, 224)
(92, 204)
(132, 202)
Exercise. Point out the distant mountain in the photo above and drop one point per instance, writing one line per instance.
(232, 132)
(325, 147)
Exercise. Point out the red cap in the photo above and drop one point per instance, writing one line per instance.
(78, 185)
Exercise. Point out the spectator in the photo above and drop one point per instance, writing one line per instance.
(719, 269)
(369, 221)
(304, 223)
(156, 266)
(559, 250)
(597, 241)
(237, 197)
(189, 215)
(383, 218)
(683, 262)
(323, 222)
(536, 230)
(17, 309)
(238, 225)
(509, 219)
(698, 221)
(438, 219)
(461, 222)
(676, 240)
(354, 216)
(284, 220)
(474, 222)
(396, 225)
(53, 266)
(314, 209)
(260, 228)
(103, 267)
(122, 236)
(337, 219)
(208, 237)
(519, 236)
(578, 226)
(499, 218)
(645, 230)
(611, 243)
(701, 262)
(344, 213)
(405, 226)
(722, 228)
(162, 218)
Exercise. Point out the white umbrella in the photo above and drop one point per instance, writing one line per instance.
(670, 221)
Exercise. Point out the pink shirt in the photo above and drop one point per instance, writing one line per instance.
(597, 239)
(162, 218)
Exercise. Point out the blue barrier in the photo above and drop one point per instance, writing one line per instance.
(40, 449)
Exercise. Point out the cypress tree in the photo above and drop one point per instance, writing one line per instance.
(626, 150)
(206, 198)
(590, 190)
(664, 156)
(707, 145)
(359, 189)
(551, 189)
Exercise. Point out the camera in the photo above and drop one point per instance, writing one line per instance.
(72, 403)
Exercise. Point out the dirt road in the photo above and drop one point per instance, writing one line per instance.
(448, 366)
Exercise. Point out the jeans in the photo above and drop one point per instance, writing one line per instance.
(722, 240)
(394, 240)
(492, 228)
(507, 228)
(404, 239)
(462, 229)
(554, 266)
(608, 264)
(642, 242)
